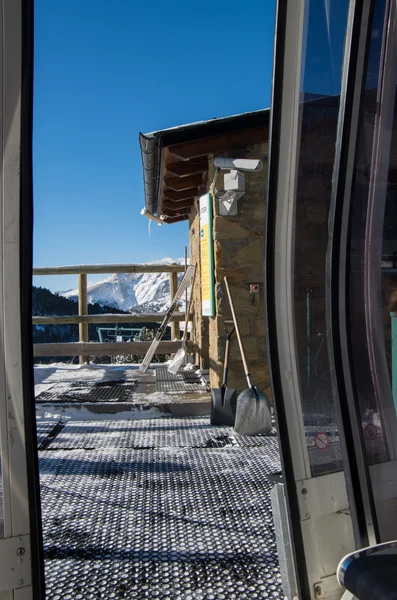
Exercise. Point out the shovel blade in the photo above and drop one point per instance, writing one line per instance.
(252, 413)
(223, 406)
(177, 361)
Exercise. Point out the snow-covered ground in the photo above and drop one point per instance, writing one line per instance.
(56, 372)
(46, 376)
(71, 413)
(166, 507)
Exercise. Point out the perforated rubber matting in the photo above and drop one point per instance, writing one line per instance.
(44, 428)
(142, 433)
(180, 524)
(87, 391)
(46, 431)
(154, 433)
(179, 383)
(253, 441)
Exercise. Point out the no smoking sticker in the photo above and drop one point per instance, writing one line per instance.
(321, 440)
(371, 432)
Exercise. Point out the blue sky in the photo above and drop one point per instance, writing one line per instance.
(105, 70)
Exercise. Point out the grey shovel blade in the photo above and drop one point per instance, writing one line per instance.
(178, 359)
(252, 413)
(223, 406)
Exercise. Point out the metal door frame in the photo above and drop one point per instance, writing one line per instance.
(352, 484)
(381, 146)
(358, 479)
(282, 153)
(366, 480)
(21, 564)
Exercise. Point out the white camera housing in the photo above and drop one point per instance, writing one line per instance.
(234, 181)
(158, 220)
(238, 164)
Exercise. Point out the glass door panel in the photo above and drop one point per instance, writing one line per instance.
(1, 497)
(319, 109)
(309, 72)
(374, 419)
(372, 269)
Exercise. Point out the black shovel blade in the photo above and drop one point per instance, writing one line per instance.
(223, 406)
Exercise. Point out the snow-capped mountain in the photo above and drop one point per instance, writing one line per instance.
(133, 292)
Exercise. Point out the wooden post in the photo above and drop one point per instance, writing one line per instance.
(83, 310)
(173, 290)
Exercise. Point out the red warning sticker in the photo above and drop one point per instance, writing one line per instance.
(371, 432)
(321, 440)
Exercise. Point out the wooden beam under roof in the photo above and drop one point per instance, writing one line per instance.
(186, 168)
(172, 214)
(184, 195)
(171, 205)
(176, 219)
(184, 183)
(219, 143)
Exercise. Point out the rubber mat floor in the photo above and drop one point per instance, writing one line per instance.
(87, 391)
(187, 522)
(185, 432)
(181, 383)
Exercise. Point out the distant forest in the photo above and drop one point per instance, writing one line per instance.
(46, 303)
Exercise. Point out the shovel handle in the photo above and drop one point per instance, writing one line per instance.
(226, 364)
(189, 307)
(240, 342)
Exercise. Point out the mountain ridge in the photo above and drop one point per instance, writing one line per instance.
(135, 293)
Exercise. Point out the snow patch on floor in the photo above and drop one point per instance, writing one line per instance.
(84, 414)
(92, 372)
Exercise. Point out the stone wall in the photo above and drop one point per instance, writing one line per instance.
(238, 254)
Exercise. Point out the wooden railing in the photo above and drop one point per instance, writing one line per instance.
(83, 348)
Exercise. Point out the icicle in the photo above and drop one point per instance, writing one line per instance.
(149, 227)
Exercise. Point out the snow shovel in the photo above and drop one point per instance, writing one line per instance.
(179, 357)
(188, 276)
(224, 399)
(253, 411)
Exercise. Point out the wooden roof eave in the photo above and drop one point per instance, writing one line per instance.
(179, 196)
(185, 164)
(219, 143)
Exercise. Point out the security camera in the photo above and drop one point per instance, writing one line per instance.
(238, 164)
(158, 220)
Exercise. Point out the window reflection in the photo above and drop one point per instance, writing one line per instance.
(1, 502)
(321, 82)
(389, 263)
(371, 341)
